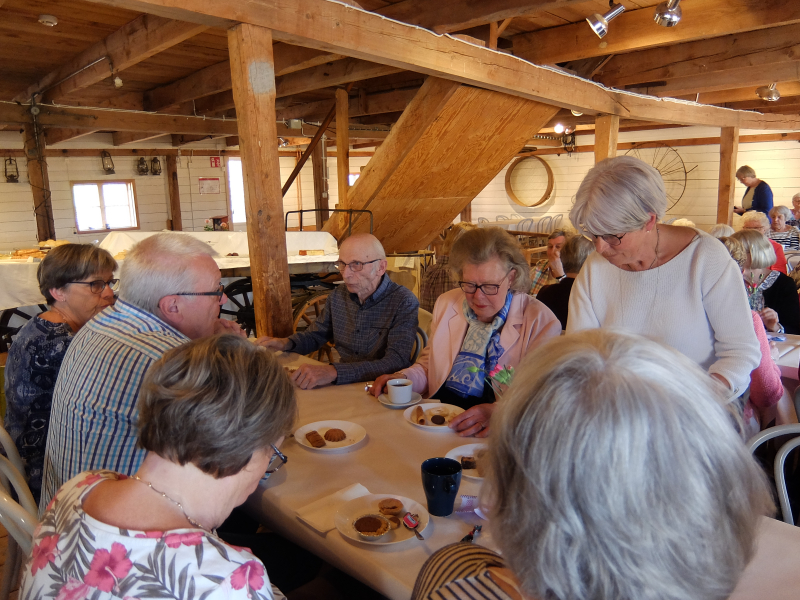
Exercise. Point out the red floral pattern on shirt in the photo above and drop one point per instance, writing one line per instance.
(44, 552)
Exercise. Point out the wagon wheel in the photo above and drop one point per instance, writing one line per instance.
(666, 160)
(7, 331)
(240, 294)
(305, 314)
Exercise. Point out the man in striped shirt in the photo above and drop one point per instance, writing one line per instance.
(170, 293)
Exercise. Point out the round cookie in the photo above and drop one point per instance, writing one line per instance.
(390, 506)
(335, 435)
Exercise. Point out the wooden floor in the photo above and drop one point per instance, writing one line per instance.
(3, 546)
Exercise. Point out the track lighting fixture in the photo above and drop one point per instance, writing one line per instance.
(599, 23)
(769, 93)
(668, 14)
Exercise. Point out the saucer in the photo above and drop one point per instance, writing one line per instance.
(384, 399)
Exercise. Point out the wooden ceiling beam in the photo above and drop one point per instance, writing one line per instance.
(55, 135)
(744, 94)
(781, 44)
(725, 80)
(445, 17)
(134, 42)
(341, 29)
(369, 104)
(122, 138)
(635, 29)
(336, 73)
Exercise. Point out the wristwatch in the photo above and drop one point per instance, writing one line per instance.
(562, 278)
(780, 329)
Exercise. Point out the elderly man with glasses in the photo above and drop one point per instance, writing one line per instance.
(371, 319)
(170, 293)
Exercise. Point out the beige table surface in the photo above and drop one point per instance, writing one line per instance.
(386, 462)
(789, 356)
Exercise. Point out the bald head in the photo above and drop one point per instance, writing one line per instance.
(365, 245)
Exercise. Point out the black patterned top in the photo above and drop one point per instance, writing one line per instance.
(34, 360)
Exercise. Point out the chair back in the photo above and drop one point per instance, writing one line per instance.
(792, 429)
(421, 342)
(482, 220)
(425, 320)
(544, 224)
(525, 225)
(557, 221)
(501, 218)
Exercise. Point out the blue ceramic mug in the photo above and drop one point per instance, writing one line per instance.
(441, 478)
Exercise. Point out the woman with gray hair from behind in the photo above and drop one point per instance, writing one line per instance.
(615, 473)
(676, 285)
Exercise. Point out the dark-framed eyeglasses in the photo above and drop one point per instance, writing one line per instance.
(489, 289)
(98, 285)
(219, 293)
(608, 238)
(356, 265)
(274, 465)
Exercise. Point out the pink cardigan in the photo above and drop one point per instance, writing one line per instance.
(529, 324)
(766, 387)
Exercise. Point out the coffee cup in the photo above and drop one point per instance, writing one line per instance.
(441, 478)
(399, 391)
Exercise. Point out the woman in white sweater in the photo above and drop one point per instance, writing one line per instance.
(676, 285)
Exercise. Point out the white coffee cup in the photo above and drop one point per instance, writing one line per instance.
(399, 391)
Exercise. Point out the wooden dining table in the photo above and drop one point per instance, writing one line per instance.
(387, 461)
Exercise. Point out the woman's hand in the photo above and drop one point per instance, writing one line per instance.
(379, 387)
(770, 319)
(474, 422)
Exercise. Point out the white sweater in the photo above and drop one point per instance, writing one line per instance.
(695, 303)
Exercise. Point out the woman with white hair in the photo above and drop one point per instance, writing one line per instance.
(781, 232)
(610, 477)
(676, 285)
(757, 196)
(795, 211)
(753, 219)
(770, 293)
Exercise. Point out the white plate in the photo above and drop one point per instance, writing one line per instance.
(466, 450)
(355, 433)
(384, 399)
(350, 511)
(426, 407)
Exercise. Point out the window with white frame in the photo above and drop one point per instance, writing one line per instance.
(104, 205)
(236, 184)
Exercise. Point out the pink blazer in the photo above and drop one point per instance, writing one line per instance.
(529, 324)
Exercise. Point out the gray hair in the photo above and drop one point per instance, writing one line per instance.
(683, 222)
(557, 233)
(617, 196)
(784, 210)
(757, 247)
(796, 197)
(71, 262)
(213, 402)
(755, 216)
(721, 230)
(575, 252)
(480, 245)
(745, 171)
(610, 477)
(158, 266)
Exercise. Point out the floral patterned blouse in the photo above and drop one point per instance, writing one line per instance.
(76, 557)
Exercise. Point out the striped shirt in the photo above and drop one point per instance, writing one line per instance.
(93, 419)
(464, 571)
(790, 240)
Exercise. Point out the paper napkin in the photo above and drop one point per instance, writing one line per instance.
(319, 514)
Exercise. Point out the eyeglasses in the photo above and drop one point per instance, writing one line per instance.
(278, 456)
(489, 289)
(99, 285)
(356, 265)
(219, 293)
(608, 238)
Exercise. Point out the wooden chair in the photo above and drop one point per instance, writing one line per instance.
(557, 222)
(422, 341)
(544, 225)
(482, 220)
(501, 218)
(525, 225)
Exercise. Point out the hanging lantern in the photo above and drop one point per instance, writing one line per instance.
(11, 170)
(108, 164)
(142, 167)
(155, 166)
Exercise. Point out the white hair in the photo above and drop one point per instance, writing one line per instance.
(615, 472)
(757, 247)
(617, 196)
(784, 210)
(755, 216)
(721, 230)
(158, 266)
(683, 222)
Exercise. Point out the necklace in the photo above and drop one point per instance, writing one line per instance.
(67, 321)
(176, 503)
(658, 239)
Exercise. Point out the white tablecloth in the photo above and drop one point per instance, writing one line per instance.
(387, 462)
(790, 356)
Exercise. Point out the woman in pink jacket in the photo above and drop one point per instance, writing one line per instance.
(489, 321)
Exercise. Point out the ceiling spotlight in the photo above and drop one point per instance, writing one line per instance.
(569, 129)
(599, 23)
(769, 93)
(117, 82)
(282, 143)
(559, 128)
(575, 113)
(668, 14)
(48, 20)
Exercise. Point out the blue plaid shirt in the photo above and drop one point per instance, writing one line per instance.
(372, 338)
(93, 420)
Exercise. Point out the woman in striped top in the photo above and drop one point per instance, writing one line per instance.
(786, 235)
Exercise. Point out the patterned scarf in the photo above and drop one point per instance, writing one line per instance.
(481, 349)
(755, 294)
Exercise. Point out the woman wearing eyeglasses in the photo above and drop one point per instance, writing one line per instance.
(675, 285)
(490, 322)
(76, 281)
(212, 413)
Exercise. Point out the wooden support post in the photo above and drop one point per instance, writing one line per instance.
(493, 35)
(319, 168)
(253, 77)
(606, 130)
(39, 181)
(466, 214)
(174, 193)
(728, 152)
(342, 145)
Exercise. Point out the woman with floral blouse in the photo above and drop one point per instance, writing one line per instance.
(211, 415)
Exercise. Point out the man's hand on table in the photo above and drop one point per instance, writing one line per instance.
(310, 376)
(474, 422)
(379, 387)
(272, 343)
(226, 326)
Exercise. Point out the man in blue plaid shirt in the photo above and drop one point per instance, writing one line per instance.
(371, 319)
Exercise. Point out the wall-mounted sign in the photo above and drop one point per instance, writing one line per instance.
(216, 162)
(209, 185)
